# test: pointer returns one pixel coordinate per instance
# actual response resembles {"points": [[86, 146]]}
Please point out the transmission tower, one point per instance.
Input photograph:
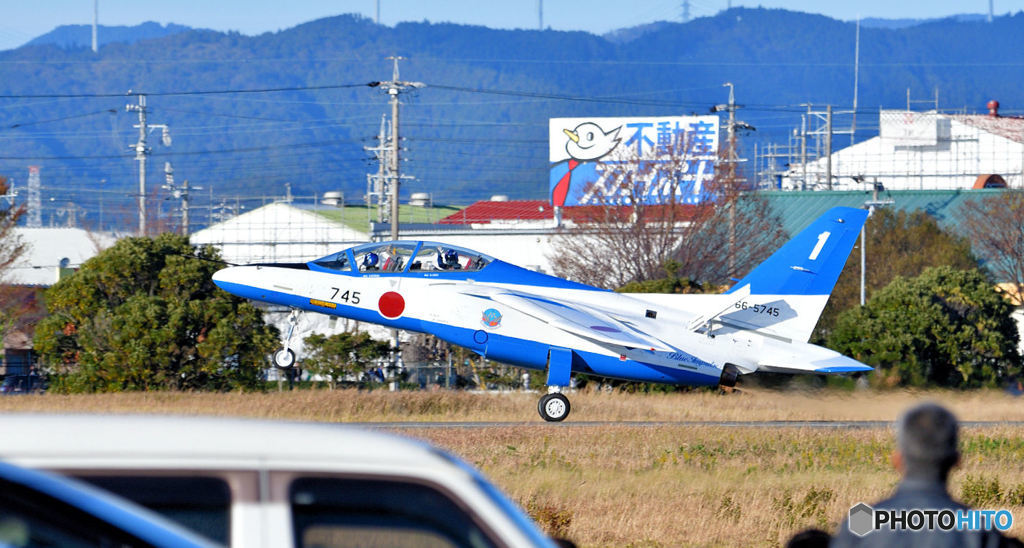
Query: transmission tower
{"points": [[394, 88], [95, 23], [35, 203], [376, 182]]}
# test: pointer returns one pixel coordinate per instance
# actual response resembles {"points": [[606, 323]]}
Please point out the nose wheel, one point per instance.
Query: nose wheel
{"points": [[285, 357], [553, 407]]}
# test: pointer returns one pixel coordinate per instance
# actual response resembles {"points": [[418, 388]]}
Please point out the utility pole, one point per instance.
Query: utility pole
{"points": [[184, 208], [394, 88], [395, 146], [731, 160], [856, 81], [181, 193], [828, 146], [731, 132], [540, 14], [803, 150], [142, 151]]}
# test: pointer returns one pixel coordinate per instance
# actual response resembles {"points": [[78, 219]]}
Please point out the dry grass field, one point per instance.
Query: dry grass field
{"points": [[661, 485]]}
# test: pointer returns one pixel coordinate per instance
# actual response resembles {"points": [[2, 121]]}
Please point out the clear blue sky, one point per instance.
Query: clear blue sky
{"points": [[22, 20]]}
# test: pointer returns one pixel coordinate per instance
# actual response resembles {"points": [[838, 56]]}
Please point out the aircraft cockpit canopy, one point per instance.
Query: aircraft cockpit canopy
{"points": [[397, 257]]}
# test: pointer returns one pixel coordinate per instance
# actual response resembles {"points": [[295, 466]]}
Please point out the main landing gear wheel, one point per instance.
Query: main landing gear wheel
{"points": [[284, 358], [553, 407]]}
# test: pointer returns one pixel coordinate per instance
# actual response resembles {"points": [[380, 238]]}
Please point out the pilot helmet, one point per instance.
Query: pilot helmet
{"points": [[370, 259], [451, 257]]}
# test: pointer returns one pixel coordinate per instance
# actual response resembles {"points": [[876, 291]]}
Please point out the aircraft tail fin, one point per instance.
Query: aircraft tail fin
{"points": [[788, 291], [811, 262]]}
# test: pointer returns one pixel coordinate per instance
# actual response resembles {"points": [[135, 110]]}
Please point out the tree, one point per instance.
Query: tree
{"points": [[627, 237], [898, 244], [11, 249], [946, 327], [995, 227], [145, 315], [343, 356], [671, 283]]}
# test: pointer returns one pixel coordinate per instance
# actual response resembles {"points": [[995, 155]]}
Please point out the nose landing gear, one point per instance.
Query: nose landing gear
{"points": [[285, 357]]}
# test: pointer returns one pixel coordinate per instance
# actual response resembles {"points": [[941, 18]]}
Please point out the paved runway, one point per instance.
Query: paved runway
{"points": [[837, 425]]}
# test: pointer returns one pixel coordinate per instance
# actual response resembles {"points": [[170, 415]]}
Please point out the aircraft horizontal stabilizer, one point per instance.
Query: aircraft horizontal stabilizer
{"points": [[835, 363], [579, 320]]}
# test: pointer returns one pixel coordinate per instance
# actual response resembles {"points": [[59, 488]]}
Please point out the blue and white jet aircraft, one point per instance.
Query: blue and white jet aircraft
{"points": [[525, 318]]}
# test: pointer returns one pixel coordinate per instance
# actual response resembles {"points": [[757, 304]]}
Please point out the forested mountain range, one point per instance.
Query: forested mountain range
{"points": [[300, 110], [80, 36]]}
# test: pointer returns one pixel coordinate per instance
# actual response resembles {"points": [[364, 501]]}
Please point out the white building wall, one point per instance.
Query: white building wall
{"points": [[950, 154], [46, 247], [278, 232], [525, 248]]}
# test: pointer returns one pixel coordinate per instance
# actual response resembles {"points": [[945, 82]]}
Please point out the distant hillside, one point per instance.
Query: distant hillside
{"points": [[621, 36], [69, 36], [479, 127], [875, 22]]}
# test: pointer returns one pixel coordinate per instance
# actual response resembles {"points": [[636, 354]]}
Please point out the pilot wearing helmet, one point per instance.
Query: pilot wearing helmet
{"points": [[448, 259], [370, 262]]}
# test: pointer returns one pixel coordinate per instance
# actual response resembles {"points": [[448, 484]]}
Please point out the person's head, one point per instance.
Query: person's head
{"points": [[926, 442], [809, 538], [370, 259]]}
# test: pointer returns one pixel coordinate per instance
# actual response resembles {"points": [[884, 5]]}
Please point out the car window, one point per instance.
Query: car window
{"points": [[350, 512], [202, 504], [29, 519]]}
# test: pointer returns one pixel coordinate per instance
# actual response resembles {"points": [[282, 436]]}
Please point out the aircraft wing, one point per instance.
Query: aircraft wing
{"points": [[579, 320]]}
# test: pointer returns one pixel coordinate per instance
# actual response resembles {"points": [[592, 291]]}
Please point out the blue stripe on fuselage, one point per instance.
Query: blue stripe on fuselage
{"points": [[511, 350]]}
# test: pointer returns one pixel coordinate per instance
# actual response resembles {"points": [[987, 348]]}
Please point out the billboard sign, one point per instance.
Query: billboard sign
{"points": [[654, 160]]}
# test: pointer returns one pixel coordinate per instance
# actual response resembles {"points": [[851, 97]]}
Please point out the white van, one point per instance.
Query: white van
{"points": [[254, 483]]}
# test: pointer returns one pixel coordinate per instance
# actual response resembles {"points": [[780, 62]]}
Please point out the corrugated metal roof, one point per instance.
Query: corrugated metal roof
{"points": [[513, 210], [798, 209], [1011, 128]]}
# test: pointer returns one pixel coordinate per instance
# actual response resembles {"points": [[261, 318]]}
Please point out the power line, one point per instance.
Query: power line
{"points": [[23, 124], [178, 93]]}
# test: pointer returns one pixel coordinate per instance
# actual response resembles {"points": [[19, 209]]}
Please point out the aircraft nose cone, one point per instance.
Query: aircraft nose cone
{"points": [[225, 276]]}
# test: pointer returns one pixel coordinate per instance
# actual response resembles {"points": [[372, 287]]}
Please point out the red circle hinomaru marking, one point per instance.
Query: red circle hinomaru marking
{"points": [[391, 305]]}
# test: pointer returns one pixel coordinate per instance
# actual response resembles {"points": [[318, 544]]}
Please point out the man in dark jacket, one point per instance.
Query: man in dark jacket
{"points": [[926, 439]]}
